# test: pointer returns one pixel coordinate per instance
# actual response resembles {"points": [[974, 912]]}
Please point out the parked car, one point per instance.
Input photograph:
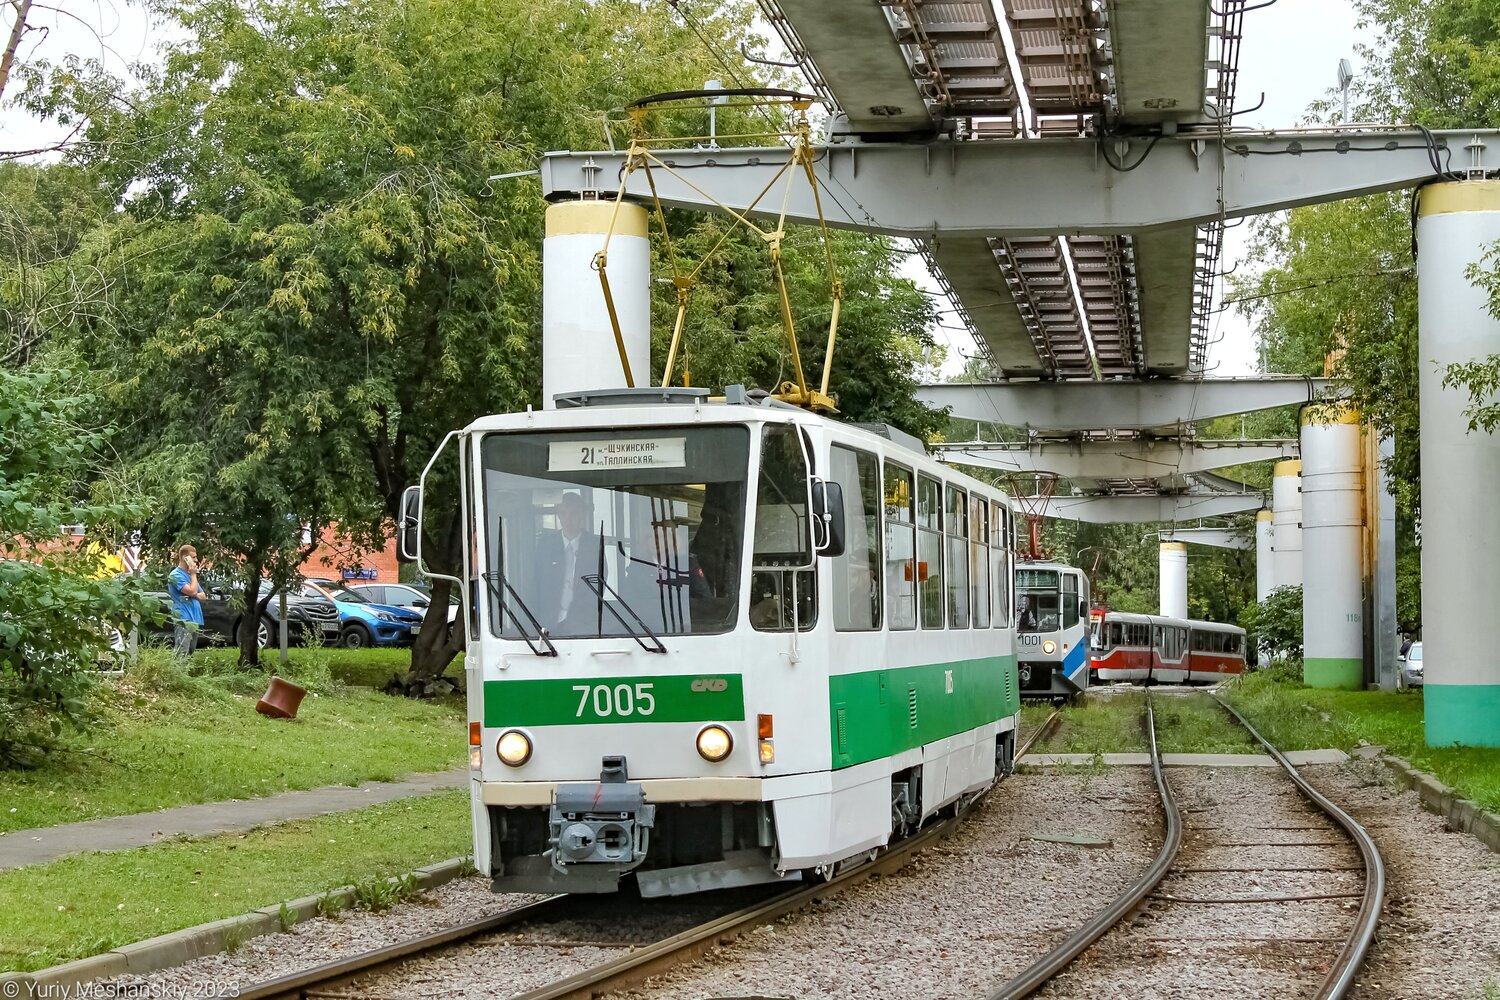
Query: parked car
{"points": [[1411, 666], [403, 595], [362, 622], [225, 607]]}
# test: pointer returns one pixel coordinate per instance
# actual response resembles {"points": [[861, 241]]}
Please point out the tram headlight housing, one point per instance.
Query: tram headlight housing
{"points": [[1049, 647], [714, 743], [514, 747]]}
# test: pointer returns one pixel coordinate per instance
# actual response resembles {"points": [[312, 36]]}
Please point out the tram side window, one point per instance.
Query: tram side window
{"points": [[1069, 600], [930, 551], [781, 537], [1115, 634], [1000, 563], [956, 523], [901, 565], [857, 573], [979, 560]]}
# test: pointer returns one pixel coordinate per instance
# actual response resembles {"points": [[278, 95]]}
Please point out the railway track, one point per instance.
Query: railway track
{"points": [[350, 978], [1340, 971]]}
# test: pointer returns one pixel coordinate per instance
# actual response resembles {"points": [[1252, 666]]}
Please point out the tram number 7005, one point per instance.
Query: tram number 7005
{"points": [[617, 700]]}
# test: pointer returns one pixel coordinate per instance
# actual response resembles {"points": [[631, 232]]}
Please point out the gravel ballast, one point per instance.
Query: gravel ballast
{"points": [[973, 910], [964, 915]]}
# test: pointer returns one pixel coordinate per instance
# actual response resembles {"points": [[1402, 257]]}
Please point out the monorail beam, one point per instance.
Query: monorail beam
{"points": [[1147, 508], [1123, 459], [1042, 187], [1219, 538], [1071, 407]]}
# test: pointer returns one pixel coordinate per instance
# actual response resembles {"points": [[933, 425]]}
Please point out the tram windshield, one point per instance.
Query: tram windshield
{"points": [[600, 532], [1038, 606]]}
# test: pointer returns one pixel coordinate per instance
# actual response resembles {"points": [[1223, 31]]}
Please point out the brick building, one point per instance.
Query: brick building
{"points": [[336, 558]]}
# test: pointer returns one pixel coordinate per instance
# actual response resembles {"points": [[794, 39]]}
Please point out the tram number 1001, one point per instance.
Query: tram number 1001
{"points": [[614, 701]]}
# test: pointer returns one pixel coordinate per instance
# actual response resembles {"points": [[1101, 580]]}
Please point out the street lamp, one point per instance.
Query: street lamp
{"points": [[1346, 77]]}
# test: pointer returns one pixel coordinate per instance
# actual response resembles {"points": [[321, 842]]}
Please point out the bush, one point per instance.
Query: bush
{"points": [[1276, 623], [57, 603]]}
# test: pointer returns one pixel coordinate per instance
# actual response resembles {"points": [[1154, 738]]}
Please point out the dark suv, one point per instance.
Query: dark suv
{"points": [[226, 606]]}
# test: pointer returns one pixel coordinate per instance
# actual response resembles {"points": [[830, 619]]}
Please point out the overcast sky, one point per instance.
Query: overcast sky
{"points": [[1290, 52]]}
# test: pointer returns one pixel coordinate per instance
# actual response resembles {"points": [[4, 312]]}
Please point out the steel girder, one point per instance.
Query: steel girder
{"points": [[1134, 458], [1041, 187], [1073, 407], [1219, 538], [1148, 508]]}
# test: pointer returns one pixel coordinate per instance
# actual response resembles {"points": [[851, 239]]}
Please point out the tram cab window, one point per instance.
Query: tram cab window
{"points": [[1000, 563], [979, 560], [602, 531], [857, 572], [782, 537], [930, 552], [1069, 600], [900, 550], [1037, 600], [956, 528]]}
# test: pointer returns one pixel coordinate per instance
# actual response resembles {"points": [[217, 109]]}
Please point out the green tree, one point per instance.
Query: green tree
{"points": [[56, 606]]}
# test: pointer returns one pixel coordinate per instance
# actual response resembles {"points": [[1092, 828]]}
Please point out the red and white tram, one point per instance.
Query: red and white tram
{"points": [[1154, 649]]}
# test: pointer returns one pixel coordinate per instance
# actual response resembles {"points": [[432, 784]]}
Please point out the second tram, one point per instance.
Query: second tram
{"points": [[1156, 649], [1052, 625]]}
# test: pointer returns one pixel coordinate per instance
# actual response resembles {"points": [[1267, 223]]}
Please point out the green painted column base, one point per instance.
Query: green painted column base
{"points": [[1463, 714], [1334, 672]]}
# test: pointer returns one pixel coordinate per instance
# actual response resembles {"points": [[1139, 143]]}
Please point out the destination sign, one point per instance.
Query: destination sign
{"points": [[619, 453]]}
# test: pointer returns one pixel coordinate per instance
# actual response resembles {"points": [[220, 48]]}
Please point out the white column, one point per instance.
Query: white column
{"points": [[1457, 223], [1333, 507], [1174, 581], [578, 341], [1286, 524], [1264, 570]]}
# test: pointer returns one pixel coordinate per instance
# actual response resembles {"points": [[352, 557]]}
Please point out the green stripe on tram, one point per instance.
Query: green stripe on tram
{"points": [[575, 701], [878, 713]]}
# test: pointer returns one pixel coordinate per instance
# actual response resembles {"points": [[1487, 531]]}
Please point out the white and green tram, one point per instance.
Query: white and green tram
{"points": [[720, 642]]}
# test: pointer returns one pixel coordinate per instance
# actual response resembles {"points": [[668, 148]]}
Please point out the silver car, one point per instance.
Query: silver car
{"points": [[1411, 666]]}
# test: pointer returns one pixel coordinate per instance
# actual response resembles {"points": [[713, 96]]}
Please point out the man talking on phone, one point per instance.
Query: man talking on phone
{"points": [[187, 601]]}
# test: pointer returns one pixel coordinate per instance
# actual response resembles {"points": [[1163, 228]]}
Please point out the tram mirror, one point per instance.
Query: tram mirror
{"points": [[828, 518], [411, 524]]}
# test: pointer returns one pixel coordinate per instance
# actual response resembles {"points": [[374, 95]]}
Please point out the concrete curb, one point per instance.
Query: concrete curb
{"points": [[1462, 814], [185, 945]]}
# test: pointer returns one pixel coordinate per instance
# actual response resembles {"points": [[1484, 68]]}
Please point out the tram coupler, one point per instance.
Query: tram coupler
{"points": [[608, 823]]}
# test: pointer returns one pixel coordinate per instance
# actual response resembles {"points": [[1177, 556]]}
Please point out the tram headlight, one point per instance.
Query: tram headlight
{"points": [[1049, 647], [514, 747], [714, 743]]}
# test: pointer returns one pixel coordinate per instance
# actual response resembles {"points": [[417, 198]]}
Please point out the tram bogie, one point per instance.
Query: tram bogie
{"points": [[715, 644], [1154, 649]]}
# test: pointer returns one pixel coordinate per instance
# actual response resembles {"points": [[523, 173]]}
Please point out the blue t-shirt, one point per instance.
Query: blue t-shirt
{"points": [[184, 608]]}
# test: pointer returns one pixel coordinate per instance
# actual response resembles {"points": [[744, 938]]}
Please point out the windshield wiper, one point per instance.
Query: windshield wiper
{"points": [[494, 576], [598, 586]]}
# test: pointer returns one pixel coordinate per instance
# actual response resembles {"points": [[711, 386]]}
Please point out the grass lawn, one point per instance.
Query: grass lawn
{"points": [[165, 737], [364, 667], [89, 903], [1301, 718], [1185, 723], [1099, 725]]}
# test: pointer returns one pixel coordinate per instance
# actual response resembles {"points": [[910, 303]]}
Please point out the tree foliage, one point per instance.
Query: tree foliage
{"points": [[1276, 623], [55, 605], [320, 280]]}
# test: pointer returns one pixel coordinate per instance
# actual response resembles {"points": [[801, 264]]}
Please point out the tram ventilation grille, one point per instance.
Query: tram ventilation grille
{"points": [[843, 730], [911, 707]]}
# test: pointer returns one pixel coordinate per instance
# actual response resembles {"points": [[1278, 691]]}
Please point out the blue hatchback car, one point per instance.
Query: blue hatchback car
{"points": [[363, 623]]}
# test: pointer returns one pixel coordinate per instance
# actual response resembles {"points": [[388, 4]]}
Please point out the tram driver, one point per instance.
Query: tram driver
{"points": [[564, 557]]}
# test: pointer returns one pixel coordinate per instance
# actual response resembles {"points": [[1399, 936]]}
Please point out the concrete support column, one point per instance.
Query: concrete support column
{"points": [[1333, 633], [1265, 575], [1286, 524], [1456, 224], [1173, 579], [578, 342]]}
